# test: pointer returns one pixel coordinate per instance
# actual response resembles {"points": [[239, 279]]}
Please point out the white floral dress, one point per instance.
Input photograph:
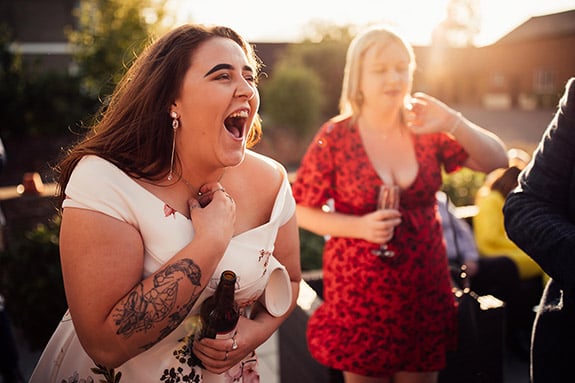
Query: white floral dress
{"points": [[97, 184]]}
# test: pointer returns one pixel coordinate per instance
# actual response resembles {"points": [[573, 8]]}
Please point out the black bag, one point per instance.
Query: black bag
{"points": [[479, 354]]}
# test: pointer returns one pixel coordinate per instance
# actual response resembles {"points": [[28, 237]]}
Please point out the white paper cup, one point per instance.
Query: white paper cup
{"points": [[277, 296]]}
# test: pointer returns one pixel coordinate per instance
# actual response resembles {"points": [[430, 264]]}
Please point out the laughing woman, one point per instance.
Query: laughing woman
{"points": [[159, 199]]}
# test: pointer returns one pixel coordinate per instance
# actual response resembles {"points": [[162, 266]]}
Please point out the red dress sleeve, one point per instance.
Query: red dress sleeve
{"points": [[453, 156], [315, 177]]}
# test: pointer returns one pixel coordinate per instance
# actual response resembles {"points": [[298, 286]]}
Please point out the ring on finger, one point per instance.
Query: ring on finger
{"points": [[234, 344], [226, 357], [211, 191]]}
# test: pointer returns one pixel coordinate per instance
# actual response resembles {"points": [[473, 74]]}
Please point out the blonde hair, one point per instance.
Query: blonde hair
{"points": [[351, 99]]}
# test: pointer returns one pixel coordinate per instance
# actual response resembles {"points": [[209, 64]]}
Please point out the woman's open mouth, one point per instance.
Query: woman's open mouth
{"points": [[236, 123]]}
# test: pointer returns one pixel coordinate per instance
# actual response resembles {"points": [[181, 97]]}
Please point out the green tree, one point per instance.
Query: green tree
{"points": [[326, 60], [12, 83], [462, 186], [325, 32], [108, 36], [31, 280], [324, 53], [292, 99], [303, 91], [305, 85], [35, 102]]}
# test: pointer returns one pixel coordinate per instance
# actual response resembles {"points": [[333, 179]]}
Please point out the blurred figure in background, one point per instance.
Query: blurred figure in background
{"points": [[2, 156], [497, 276], [9, 356], [492, 241], [518, 157], [488, 226], [386, 317]]}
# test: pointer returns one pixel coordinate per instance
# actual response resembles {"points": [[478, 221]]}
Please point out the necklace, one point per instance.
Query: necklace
{"points": [[198, 193]]}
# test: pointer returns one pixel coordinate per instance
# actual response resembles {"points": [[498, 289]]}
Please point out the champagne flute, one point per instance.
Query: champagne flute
{"points": [[388, 198]]}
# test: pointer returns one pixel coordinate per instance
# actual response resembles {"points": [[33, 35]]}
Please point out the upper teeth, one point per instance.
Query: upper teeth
{"points": [[241, 113]]}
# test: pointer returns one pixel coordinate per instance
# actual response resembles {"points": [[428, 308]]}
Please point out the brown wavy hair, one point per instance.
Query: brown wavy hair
{"points": [[505, 182], [134, 129]]}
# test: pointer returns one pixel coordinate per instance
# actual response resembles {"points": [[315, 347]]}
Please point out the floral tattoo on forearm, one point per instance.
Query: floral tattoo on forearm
{"points": [[142, 310]]}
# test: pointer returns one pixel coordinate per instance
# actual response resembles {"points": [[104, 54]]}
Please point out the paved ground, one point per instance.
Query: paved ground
{"points": [[517, 128]]}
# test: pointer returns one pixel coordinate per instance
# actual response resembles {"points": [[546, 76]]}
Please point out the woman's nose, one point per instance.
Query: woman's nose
{"points": [[245, 89]]}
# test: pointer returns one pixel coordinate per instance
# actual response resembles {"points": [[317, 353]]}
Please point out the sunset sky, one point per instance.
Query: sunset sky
{"points": [[271, 21]]}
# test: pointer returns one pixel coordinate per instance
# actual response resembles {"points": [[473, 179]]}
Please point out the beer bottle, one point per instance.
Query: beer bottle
{"points": [[219, 313]]}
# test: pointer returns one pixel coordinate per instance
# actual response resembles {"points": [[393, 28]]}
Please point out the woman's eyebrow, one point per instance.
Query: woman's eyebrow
{"points": [[226, 66]]}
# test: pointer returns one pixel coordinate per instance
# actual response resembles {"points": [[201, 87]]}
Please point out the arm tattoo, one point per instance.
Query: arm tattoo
{"points": [[141, 310]]}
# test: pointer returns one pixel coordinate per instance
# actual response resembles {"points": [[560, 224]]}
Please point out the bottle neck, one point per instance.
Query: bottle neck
{"points": [[225, 292], [224, 295]]}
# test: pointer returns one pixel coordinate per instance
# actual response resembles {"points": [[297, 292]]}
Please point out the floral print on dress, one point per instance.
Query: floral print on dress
{"points": [[245, 372], [76, 379], [380, 316], [168, 210], [265, 256], [163, 234], [109, 375], [186, 359]]}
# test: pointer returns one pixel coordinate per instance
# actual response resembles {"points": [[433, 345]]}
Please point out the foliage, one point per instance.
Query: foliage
{"points": [[327, 61], [292, 99], [53, 105], [34, 103], [327, 32], [462, 186], [31, 281], [311, 249], [11, 77], [109, 35], [305, 86], [109, 374]]}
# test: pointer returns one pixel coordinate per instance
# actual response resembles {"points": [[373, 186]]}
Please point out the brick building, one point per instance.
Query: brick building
{"points": [[37, 28], [527, 68]]}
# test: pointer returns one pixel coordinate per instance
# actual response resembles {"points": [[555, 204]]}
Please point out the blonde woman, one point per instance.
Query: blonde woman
{"points": [[385, 318]]}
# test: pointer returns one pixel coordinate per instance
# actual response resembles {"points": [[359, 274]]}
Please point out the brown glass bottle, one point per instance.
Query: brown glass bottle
{"points": [[219, 313]]}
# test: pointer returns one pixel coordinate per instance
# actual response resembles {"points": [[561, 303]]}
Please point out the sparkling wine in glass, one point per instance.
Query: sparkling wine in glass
{"points": [[388, 198]]}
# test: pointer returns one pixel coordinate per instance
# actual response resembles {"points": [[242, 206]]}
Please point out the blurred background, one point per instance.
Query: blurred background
{"points": [[503, 64]]}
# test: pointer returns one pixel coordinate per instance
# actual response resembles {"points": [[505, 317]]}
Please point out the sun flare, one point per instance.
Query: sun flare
{"points": [[415, 19]]}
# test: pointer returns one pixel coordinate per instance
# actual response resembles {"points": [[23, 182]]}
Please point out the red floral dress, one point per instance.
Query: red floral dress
{"points": [[380, 315]]}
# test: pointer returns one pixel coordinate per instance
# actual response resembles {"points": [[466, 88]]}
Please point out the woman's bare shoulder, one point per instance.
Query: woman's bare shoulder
{"points": [[264, 167]]}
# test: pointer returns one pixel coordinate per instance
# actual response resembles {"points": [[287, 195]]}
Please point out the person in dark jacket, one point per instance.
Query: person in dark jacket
{"points": [[2, 156], [540, 218]]}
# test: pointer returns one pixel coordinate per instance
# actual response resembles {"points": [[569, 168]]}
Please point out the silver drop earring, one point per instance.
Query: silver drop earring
{"points": [[175, 125]]}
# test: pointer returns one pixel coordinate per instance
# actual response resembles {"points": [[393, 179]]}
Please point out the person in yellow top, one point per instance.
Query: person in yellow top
{"points": [[492, 241], [490, 235]]}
